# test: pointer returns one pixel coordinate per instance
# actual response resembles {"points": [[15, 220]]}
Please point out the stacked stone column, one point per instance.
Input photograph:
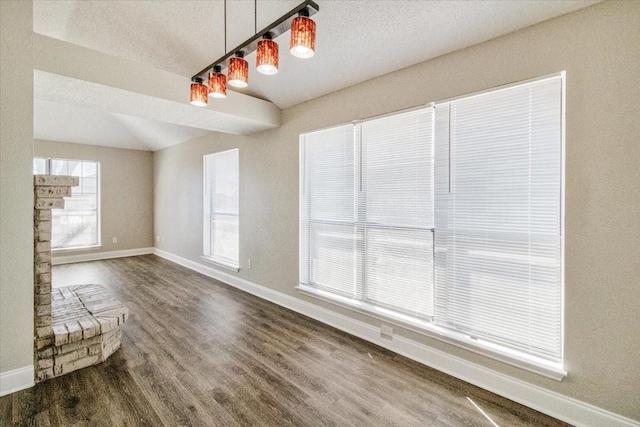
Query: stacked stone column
{"points": [[50, 192]]}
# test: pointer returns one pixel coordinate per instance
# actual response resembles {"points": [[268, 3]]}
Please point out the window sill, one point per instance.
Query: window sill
{"points": [[76, 249], [221, 264], [532, 364]]}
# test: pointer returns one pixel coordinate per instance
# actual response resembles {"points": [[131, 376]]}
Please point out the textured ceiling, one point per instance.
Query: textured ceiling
{"points": [[357, 40], [68, 75], [82, 93], [63, 122]]}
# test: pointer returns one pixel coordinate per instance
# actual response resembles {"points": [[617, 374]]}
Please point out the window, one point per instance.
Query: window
{"points": [[221, 213], [499, 231], [367, 214], [397, 211], [447, 219], [77, 226]]}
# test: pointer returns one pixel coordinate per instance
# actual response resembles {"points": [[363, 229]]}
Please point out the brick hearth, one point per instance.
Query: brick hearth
{"points": [[75, 326]]}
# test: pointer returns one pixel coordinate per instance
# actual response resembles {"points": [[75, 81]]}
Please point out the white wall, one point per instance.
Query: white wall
{"points": [[16, 187], [598, 47], [126, 193]]}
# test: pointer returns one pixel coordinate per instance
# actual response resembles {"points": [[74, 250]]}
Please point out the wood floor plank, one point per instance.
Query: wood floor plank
{"points": [[196, 352], [82, 399], [27, 403], [169, 402], [6, 409], [125, 397], [40, 419]]}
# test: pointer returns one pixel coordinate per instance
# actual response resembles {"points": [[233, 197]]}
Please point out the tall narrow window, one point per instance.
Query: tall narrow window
{"points": [[367, 213], [328, 211], [397, 206], [77, 226], [221, 208], [499, 232]]}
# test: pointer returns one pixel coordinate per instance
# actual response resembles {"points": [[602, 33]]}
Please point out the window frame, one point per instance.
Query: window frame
{"points": [[98, 245], [429, 328], [206, 214]]}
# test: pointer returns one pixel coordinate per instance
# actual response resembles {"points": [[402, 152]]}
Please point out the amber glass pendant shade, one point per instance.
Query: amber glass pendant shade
{"points": [[267, 57], [302, 44], [217, 83], [199, 93], [303, 37], [238, 72]]}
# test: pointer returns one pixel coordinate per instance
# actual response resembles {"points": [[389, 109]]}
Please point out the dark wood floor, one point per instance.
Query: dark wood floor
{"points": [[198, 352]]}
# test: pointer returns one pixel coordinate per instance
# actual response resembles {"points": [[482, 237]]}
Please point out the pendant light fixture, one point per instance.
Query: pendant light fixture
{"points": [[238, 71], [302, 45], [303, 36], [217, 83], [198, 92], [267, 56]]}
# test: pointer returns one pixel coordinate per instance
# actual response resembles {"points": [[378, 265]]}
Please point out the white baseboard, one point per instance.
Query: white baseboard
{"points": [[16, 380], [548, 402], [96, 256]]}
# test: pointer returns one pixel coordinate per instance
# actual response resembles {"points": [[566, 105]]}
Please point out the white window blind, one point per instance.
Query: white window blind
{"points": [[78, 224], [447, 218], [367, 213], [498, 222], [221, 208], [397, 210], [328, 210]]}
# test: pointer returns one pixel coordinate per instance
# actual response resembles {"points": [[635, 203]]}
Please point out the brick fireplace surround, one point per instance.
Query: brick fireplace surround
{"points": [[75, 326]]}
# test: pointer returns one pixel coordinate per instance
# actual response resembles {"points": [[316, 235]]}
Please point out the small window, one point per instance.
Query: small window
{"points": [[221, 208], [77, 226]]}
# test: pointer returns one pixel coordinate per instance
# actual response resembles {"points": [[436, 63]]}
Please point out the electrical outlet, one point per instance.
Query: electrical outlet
{"points": [[386, 330], [157, 238], [249, 264], [115, 240]]}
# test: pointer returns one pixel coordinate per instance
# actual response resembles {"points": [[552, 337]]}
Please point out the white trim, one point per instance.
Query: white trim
{"points": [[214, 262], [75, 249], [546, 401], [96, 256], [16, 380], [501, 87], [433, 104], [424, 327]]}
